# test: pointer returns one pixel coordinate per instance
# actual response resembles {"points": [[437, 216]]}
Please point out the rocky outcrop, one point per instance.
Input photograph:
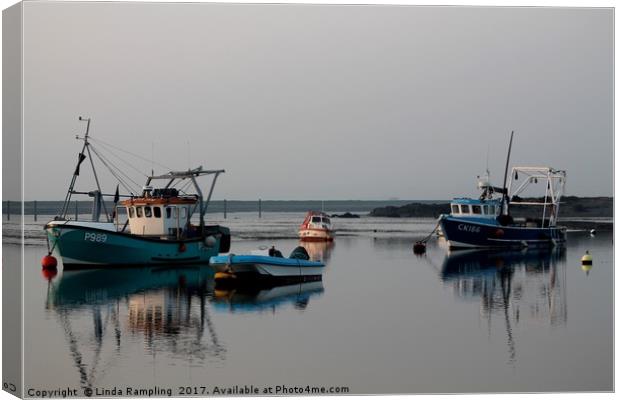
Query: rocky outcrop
{"points": [[345, 215], [420, 210], [570, 207]]}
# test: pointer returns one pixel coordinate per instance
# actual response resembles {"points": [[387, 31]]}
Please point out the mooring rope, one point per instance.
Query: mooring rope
{"points": [[47, 240], [427, 238]]}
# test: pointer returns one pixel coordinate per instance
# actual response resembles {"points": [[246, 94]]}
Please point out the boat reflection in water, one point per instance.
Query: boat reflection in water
{"points": [[318, 251], [515, 286], [166, 310], [252, 299]]}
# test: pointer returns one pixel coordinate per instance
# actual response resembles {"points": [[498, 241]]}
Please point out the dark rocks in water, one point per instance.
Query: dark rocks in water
{"points": [[345, 215], [571, 207], [582, 207], [422, 210]]}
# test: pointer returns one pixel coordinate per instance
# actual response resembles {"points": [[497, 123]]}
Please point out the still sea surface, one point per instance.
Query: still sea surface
{"points": [[383, 320]]}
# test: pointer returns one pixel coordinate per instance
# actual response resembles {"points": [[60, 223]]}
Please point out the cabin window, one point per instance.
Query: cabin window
{"points": [[184, 214], [465, 209], [316, 219], [492, 210], [326, 220], [147, 212], [485, 209], [139, 212], [130, 212], [455, 209], [168, 212], [476, 209], [157, 212]]}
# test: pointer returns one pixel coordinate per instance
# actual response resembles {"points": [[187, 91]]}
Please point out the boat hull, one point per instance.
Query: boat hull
{"points": [[87, 247], [315, 235], [461, 233], [268, 267]]}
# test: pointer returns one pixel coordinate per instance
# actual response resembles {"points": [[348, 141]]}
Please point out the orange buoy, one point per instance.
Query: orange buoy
{"points": [[224, 275], [49, 262]]}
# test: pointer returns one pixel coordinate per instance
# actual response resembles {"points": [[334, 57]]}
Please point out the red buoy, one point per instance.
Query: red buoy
{"points": [[49, 262], [49, 274]]}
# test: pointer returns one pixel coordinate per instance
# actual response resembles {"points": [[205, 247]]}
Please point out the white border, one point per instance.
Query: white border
{"points": [[509, 3]]}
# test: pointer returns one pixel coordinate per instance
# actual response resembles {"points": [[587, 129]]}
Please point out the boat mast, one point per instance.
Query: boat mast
{"points": [[81, 158], [99, 193], [504, 202]]}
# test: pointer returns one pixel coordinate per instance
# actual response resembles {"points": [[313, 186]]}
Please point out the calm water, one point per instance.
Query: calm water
{"points": [[383, 320]]}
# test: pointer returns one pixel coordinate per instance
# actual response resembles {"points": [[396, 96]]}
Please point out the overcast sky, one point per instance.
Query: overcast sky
{"points": [[320, 102]]}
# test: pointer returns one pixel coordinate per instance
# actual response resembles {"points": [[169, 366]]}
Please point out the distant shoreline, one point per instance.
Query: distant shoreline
{"points": [[571, 207], [52, 207]]}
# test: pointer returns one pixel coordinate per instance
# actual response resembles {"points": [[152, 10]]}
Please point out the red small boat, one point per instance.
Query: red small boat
{"points": [[317, 227]]}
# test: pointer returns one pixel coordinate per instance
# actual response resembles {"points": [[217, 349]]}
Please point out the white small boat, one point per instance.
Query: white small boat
{"points": [[317, 227], [268, 264]]}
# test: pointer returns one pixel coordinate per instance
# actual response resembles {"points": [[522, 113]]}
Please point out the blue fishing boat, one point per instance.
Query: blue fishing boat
{"points": [[297, 266], [157, 229], [487, 220]]}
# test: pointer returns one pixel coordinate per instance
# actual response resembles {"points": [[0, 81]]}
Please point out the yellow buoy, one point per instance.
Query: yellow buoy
{"points": [[586, 268], [224, 275], [586, 259], [222, 294]]}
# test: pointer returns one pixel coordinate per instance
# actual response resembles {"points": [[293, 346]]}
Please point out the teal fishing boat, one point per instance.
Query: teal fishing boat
{"points": [[156, 227]]}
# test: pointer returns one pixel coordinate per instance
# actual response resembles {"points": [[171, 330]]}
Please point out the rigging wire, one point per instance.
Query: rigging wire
{"points": [[110, 152], [118, 174], [185, 186], [130, 153], [110, 168], [119, 170], [122, 182]]}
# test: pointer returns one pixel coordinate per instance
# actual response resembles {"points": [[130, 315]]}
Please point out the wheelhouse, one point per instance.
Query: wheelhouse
{"points": [[158, 215], [464, 207], [317, 220], [167, 212]]}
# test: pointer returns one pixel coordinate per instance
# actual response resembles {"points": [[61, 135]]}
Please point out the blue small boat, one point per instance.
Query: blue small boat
{"points": [[296, 267], [487, 221]]}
